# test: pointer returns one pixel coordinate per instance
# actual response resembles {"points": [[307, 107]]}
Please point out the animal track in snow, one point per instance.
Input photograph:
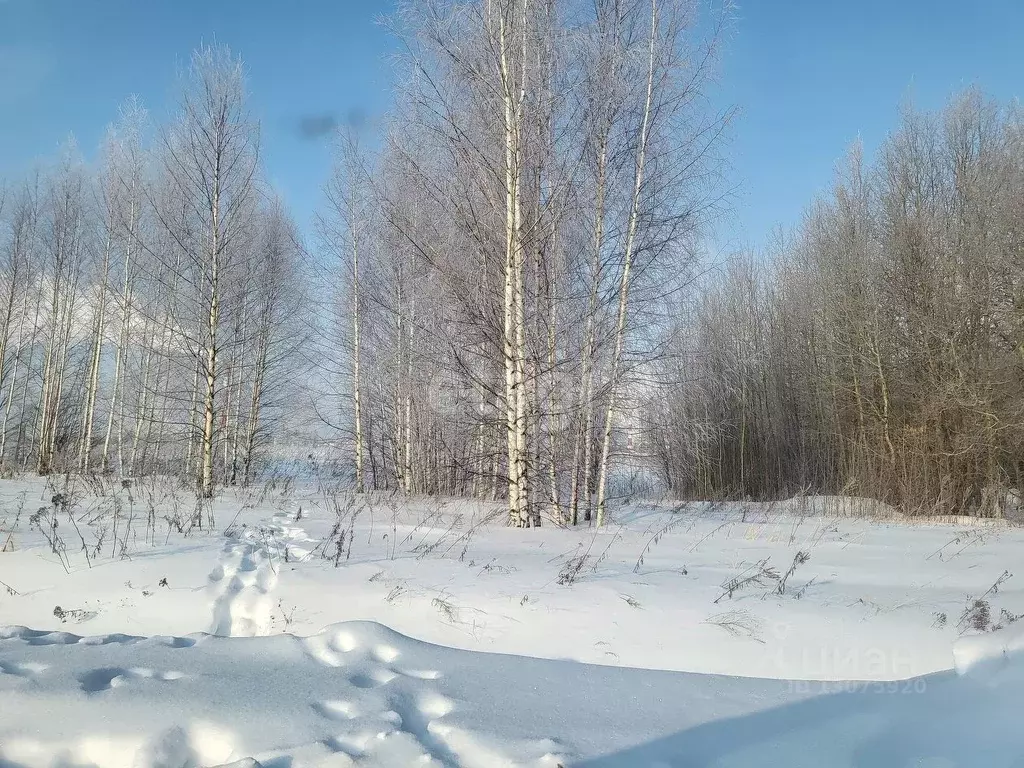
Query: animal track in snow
{"points": [[105, 678], [344, 642], [28, 669], [354, 746], [35, 637], [385, 653], [418, 715], [337, 710], [434, 705], [117, 637], [176, 642], [332, 650], [373, 678], [368, 709], [419, 674], [319, 649], [44, 637]]}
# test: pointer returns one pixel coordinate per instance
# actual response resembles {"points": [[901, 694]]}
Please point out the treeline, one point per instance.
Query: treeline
{"points": [[510, 301], [506, 254], [879, 352], [148, 300]]}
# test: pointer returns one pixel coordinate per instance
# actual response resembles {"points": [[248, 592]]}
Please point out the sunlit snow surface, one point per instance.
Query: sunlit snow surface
{"points": [[257, 641]]}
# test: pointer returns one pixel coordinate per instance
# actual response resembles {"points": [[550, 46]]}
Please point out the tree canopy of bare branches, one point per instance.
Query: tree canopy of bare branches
{"points": [[544, 177], [149, 300], [879, 352]]}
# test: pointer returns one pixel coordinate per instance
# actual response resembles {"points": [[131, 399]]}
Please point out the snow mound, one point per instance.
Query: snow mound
{"points": [[361, 694], [990, 656]]}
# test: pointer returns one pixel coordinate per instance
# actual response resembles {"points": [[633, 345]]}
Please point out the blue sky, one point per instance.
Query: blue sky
{"points": [[809, 76], [67, 65]]}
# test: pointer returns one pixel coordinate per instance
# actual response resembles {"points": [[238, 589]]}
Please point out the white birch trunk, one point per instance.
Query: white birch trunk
{"points": [[620, 324]]}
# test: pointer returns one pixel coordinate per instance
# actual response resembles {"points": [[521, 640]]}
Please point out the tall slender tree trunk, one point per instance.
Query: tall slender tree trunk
{"points": [[9, 401], [193, 418], [119, 362], [206, 476], [584, 438], [514, 341], [252, 428], [356, 385], [8, 318], [407, 419], [143, 401], [627, 263], [85, 451], [209, 404], [46, 389], [23, 421]]}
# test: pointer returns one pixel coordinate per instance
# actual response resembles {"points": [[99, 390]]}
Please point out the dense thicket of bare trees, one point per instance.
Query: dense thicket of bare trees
{"points": [[149, 300], [537, 193], [880, 351]]}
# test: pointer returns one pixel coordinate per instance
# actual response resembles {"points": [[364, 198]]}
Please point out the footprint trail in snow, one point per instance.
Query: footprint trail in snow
{"points": [[356, 694], [243, 581], [395, 718]]}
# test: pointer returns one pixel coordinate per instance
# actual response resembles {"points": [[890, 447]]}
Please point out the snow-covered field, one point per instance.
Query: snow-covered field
{"points": [[302, 627]]}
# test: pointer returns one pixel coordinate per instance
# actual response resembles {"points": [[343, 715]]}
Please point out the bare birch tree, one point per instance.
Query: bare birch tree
{"points": [[211, 156]]}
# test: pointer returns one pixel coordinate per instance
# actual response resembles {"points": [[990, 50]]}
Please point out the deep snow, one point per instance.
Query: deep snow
{"points": [[262, 639]]}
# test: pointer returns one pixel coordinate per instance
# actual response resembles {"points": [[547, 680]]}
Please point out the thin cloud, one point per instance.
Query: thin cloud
{"points": [[317, 126]]}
